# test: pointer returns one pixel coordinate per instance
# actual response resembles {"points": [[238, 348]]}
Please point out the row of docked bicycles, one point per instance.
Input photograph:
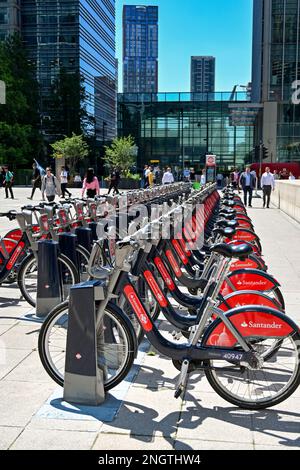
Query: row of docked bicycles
{"points": [[194, 258]]}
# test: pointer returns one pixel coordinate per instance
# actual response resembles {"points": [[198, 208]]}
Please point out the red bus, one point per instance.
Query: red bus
{"points": [[290, 167]]}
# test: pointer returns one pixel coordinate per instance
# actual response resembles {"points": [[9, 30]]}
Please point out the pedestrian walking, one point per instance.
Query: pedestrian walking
{"points": [[276, 175], [77, 181], [203, 178], [267, 185], [91, 184], [186, 174], [235, 178], [157, 175], [192, 175], [247, 182], [151, 178], [168, 177], [64, 182], [2, 177], [284, 174], [114, 181], [292, 177], [50, 186], [220, 179], [146, 174], [8, 182], [36, 180]]}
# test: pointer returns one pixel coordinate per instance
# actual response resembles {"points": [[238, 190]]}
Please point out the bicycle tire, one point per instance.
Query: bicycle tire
{"points": [[30, 259], [256, 405], [118, 317]]}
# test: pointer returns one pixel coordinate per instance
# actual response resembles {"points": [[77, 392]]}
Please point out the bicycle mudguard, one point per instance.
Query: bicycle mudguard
{"points": [[14, 234], [251, 322], [243, 234], [253, 262], [248, 279], [244, 298], [7, 246]]}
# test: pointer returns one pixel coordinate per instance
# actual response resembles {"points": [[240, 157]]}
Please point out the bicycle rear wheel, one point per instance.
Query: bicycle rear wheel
{"points": [[28, 276], [116, 345], [262, 388]]}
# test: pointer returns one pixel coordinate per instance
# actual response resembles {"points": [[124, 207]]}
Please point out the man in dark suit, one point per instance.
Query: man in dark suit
{"points": [[247, 182]]}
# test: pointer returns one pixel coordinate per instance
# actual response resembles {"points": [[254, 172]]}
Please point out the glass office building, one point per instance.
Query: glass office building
{"points": [[140, 49], [77, 36], [275, 66], [179, 129], [203, 70], [10, 21]]}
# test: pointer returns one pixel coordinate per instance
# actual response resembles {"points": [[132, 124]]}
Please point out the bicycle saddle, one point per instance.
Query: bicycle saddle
{"points": [[227, 210], [224, 231], [232, 251], [100, 272], [227, 216], [227, 223]]}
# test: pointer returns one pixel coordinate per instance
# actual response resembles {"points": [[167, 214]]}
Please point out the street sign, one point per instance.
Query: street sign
{"points": [[211, 160]]}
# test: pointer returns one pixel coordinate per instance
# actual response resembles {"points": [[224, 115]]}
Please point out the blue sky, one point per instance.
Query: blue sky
{"points": [[222, 28]]}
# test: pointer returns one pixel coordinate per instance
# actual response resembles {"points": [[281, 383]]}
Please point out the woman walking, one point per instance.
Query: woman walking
{"points": [[91, 184]]}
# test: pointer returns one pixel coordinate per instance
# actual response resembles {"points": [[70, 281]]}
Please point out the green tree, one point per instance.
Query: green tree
{"points": [[121, 154], [72, 149], [20, 140]]}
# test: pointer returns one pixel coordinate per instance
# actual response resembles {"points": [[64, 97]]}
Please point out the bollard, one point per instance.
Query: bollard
{"points": [[49, 288], [84, 237], [83, 378], [67, 245]]}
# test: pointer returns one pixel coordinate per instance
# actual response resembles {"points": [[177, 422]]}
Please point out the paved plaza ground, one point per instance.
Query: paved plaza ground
{"points": [[142, 413]]}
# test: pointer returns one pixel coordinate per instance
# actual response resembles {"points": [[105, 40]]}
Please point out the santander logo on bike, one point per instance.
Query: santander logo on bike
{"points": [[251, 283], [270, 326], [138, 308]]}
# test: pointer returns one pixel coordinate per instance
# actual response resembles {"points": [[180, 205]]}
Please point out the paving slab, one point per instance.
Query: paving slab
{"points": [[196, 444], [147, 412], [10, 359], [207, 416], [19, 401], [8, 434], [22, 336], [132, 442], [39, 439], [29, 370]]}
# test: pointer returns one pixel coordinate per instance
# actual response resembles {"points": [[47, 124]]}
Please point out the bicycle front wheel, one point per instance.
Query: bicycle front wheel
{"points": [[28, 277], [116, 345]]}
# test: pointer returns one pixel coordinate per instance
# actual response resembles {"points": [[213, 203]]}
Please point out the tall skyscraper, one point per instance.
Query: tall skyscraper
{"points": [[275, 66], [276, 54], [10, 21], [203, 74], [140, 49], [73, 37]]}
